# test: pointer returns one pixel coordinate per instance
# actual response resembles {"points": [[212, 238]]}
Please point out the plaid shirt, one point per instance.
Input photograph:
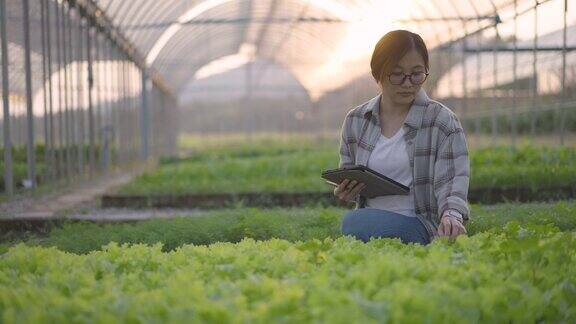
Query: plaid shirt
{"points": [[436, 147]]}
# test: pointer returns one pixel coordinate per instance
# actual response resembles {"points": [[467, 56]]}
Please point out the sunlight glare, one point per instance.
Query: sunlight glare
{"points": [[227, 63], [352, 54]]}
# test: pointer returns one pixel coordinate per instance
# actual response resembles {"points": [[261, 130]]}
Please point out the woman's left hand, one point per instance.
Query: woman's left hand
{"points": [[450, 226]]}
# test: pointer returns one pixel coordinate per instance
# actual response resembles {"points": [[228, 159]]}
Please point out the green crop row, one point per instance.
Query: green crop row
{"points": [[278, 169], [292, 224], [521, 274], [20, 153], [545, 122]]}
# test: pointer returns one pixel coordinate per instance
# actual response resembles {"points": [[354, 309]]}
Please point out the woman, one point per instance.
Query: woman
{"points": [[412, 139]]}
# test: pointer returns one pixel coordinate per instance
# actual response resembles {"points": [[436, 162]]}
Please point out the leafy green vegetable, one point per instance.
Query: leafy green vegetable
{"points": [[523, 274], [291, 224], [285, 168]]}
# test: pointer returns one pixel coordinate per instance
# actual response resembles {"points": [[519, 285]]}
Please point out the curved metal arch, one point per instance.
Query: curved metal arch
{"points": [[299, 30], [495, 10], [286, 36], [441, 13], [148, 38], [476, 11], [193, 42], [418, 24], [434, 25], [198, 29], [285, 32], [304, 34], [220, 36], [308, 27], [449, 27], [195, 11], [463, 22], [436, 32], [184, 77], [297, 35], [225, 11], [191, 14], [288, 63], [153, 14], [494, 7], [147, 8], [185, 41], [119, 10], [290, 70], [140, 13], [458, 13], [144, 36], [123, 15], [281, 63], [107, 7], [127, 16], [310, 32]]}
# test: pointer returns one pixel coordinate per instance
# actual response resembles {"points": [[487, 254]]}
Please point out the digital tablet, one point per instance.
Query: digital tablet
{"points": [[376, 184]]}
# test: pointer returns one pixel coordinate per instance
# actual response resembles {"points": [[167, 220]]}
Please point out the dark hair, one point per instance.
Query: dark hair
{"points": [[392, 47]]}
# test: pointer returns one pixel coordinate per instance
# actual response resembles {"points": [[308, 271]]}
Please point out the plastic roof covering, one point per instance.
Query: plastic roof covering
{"points": [[305, 48], [311, 51]]}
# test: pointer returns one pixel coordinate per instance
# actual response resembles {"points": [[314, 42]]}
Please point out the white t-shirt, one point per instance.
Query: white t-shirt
{"points": [[390, 158]]}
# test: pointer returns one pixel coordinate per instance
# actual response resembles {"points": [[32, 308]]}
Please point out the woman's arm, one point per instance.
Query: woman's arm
{"points": [[452, 174], [346, 157]]}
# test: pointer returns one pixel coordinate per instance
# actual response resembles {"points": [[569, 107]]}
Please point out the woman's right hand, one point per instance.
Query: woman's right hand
{"points": [[348, 190]]}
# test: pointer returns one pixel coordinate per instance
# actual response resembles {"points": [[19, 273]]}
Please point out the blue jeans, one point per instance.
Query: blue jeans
{"points": [[364, 223]]}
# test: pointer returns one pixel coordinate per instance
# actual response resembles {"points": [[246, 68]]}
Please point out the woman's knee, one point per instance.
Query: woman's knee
{"points": [[359, 222], [363, 223], [352, 219], [348, 222], [412, 237]]}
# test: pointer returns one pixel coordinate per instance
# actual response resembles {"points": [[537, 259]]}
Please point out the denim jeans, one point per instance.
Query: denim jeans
{"points": [[364, 223]]}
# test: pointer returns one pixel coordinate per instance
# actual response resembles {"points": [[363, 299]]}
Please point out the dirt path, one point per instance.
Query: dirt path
{"points": [[54, 204]]}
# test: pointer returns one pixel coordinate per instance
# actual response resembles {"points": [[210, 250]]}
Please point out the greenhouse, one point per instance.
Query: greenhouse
{"points": [[273, 161]]}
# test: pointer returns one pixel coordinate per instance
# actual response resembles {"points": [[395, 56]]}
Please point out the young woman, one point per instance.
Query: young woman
{"points": [[412, 139]]}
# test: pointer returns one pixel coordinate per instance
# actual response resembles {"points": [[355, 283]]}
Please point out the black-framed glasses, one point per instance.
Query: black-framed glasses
{"points": [[417, 78]]}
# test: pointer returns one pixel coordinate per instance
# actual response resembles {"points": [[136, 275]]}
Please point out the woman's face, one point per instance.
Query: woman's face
{"points": [[403, 94]]}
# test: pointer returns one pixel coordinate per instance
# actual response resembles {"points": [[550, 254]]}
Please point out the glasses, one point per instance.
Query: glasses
{"points": [[416, 78]]}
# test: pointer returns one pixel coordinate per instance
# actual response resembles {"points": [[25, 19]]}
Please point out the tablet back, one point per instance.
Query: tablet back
{"points": [[376, 185]]}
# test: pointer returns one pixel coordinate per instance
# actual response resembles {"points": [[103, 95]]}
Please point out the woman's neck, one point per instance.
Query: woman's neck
{"points": [[391, 109]]}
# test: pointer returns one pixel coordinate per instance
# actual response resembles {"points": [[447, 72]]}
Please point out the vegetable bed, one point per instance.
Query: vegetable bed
{"points": [[288, 169], [292, 224], [523, 274]]}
